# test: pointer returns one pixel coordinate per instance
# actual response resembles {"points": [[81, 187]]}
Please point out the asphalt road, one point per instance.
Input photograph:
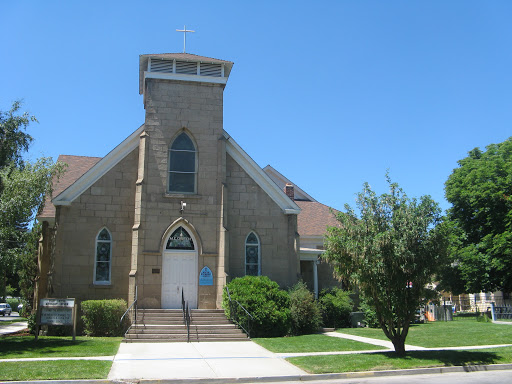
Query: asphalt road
{"points": [[14, 315]]}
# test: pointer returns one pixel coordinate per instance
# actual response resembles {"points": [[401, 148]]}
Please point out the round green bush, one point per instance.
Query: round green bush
{"points": [[336, 306], [262, 298], [305, 312], [102, 317]]}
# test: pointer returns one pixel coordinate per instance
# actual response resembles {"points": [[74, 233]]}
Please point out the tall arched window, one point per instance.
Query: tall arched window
{"points": [[103, 258], [182, 165], [252, 255]]}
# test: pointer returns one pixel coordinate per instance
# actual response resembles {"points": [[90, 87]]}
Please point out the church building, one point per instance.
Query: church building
{"points": [[177, 206]]}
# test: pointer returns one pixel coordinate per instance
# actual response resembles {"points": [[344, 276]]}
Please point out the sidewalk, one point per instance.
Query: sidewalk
{"points": [[208, 360], [13, 328]]}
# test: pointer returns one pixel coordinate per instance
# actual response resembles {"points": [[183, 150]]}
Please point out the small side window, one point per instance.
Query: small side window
{"points": [[103, 258], [252, 255]]}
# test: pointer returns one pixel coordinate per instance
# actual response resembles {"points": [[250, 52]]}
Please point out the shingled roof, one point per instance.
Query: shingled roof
{"points": [[314, 218], [76, 167]]}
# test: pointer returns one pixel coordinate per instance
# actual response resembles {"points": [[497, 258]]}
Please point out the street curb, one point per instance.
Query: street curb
{"points": [[277, 379]]}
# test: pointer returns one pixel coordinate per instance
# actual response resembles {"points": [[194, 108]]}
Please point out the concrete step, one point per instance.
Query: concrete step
{"points": [[166, 325]]}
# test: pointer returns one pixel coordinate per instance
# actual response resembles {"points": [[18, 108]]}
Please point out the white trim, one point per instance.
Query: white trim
{"points": [[182, 77], [67, 196], [261, 178], [310, 254]]}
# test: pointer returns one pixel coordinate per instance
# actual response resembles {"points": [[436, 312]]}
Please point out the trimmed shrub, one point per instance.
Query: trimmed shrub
{"points": [[102, 317], [13, 302], [263, 299], [336, 306], [305, 312], [370, 317]]}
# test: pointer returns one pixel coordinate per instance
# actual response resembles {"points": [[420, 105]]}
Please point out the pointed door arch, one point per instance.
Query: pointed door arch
{"points": [[179, 268]]}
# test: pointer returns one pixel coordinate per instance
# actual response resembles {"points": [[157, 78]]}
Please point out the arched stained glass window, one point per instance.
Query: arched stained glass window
{"points": [[252, 255], [180, 239], [182, 165], [103, 258]]}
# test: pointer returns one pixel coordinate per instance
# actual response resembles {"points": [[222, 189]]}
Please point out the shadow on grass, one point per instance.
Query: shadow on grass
{"points": [[449, 358], [45, 345]]}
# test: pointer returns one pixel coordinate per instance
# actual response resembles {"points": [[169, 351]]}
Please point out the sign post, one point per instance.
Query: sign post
{"points": [[56, 312]]}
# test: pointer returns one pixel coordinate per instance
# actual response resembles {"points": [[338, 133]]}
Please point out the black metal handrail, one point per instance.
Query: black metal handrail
{"points": [[132, 310], [186, 314], [234, 308]]}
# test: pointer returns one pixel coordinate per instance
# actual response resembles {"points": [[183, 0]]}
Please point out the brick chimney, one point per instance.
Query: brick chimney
{"points": [[289, 190]]}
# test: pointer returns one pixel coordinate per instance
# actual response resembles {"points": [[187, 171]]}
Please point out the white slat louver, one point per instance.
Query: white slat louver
{"points": [[161, 66], [186, 67], [214, 70]]}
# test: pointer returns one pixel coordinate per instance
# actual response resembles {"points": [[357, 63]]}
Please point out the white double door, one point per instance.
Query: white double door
{"points": [[179, 271]]}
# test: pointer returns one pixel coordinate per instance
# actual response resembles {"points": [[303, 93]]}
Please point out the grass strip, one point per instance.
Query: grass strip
{"points": [[437, 334], [12, 321], [54, 370], [389, 361], [18, 347], [312, 343]]}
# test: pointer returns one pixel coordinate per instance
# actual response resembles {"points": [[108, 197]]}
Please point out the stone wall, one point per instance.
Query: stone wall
{"points": [[251, 209], [171, 108], [108, 203]]}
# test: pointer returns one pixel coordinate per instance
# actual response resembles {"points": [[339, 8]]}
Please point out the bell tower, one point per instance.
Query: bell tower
{"points": [[181, 174]]}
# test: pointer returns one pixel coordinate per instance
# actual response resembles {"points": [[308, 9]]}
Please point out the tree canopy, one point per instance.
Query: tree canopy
{"points": [[480, 191], [391, 251], [23, 187]]}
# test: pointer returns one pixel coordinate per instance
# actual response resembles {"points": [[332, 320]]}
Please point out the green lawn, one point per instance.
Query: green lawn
{"points": [[458, 333], [48, 370], [389, 361], [312, 343], [15, 347]]}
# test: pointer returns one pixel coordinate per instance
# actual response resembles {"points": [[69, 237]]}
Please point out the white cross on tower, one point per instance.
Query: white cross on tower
{"points": [[184, 30]]}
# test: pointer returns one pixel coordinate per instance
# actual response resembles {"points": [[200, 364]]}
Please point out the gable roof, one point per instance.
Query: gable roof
{"points": [[281, 182], [314, 218], [80, 181], [288, 206], [76, 167], [104, 165]]}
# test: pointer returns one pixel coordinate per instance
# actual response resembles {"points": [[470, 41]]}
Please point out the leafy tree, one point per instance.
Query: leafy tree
{"points": [[391, 251], [13, 140], [23, 187], [480, 191]]}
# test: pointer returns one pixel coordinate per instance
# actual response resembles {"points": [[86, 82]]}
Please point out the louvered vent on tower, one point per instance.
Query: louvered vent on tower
{"points": [[161, 66], [211, 70], [186, 68]]}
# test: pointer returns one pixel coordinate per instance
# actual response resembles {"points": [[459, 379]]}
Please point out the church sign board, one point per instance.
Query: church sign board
{"points": [[206, 276], [56, 312]]}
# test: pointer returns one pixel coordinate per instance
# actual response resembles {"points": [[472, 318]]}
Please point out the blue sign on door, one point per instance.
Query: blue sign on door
{"points": [[206, 276]]}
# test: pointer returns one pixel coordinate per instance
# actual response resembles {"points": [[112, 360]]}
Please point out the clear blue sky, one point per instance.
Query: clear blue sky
{"points": [[330, 93]]}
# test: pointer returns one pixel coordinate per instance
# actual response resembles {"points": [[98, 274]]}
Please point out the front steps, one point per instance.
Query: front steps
{"points": [[166, 325]]}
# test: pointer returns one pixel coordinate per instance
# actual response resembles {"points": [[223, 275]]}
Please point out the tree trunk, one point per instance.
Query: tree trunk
{"points": [[399, 344]]}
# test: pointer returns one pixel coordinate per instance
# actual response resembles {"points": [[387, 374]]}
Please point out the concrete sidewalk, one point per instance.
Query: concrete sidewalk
{"points": [[383, 343], [209, 360], [13, 328]]}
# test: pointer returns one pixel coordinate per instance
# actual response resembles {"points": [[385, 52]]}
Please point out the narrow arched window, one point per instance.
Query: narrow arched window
{"points": [[252, 255], [103, 258], [182, 165]]}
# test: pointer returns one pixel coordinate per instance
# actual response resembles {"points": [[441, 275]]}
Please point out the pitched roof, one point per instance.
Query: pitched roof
{"points": [[278, 178], [314, 218], [76, 167]]}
